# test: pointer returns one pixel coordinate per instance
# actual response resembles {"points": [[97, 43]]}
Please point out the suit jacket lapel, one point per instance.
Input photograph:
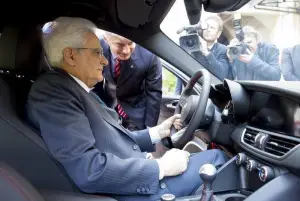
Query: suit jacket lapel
{"points": [[106, 115], [109, 116], [127, 68]]}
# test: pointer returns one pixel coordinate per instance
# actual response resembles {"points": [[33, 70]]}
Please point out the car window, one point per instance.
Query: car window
{"points": [[169, 82], [260, 41]]}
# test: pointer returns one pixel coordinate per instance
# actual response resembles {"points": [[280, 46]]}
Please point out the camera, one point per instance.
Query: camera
{"points": [[240, 47], [190, 42]]}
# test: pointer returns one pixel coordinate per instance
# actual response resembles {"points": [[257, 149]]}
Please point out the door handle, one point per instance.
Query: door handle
{"points": [[172, 104]]}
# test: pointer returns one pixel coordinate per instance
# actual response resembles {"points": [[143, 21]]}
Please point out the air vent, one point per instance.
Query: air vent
{"points": [[279, 146], [249, 136]]}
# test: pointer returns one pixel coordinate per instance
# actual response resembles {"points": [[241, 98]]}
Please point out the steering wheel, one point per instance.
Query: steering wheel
{"points": [[192, 109]]}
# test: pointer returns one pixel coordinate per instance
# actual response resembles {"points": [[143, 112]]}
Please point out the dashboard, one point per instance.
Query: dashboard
{"points": [[265, 117], [274, 113]]}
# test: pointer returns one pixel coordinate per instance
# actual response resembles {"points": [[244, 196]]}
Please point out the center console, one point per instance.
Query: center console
{"points": [[244, 178]]}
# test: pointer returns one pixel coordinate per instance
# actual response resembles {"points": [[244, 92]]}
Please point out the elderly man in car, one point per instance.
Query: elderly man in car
{"points": [[82, 134]]}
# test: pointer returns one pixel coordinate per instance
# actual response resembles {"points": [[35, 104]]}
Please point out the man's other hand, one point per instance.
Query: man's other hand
{"points": [[163, 129], [173, 163]]}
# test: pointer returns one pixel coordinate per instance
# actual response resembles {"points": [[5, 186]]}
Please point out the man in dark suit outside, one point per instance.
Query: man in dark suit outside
{"points": [[133, 82], [290, 63], [84, 136]]}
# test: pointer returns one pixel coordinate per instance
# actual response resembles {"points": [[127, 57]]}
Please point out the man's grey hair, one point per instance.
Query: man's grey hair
{"points": [[65, 32]]}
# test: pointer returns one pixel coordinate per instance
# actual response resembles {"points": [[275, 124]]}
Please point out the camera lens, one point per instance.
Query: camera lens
{"points": [[234, 50], [190, 43]]}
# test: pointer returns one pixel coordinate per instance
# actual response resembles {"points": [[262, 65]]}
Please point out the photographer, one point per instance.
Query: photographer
{"points": [[259, 61], [212, 55]]}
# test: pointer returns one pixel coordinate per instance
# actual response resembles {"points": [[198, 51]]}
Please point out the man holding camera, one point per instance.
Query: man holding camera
{"points": [[257, 61], [212, 55]]}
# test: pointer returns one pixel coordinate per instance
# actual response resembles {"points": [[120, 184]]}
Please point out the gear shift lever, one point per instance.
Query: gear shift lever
{"points": [[208, 173]]}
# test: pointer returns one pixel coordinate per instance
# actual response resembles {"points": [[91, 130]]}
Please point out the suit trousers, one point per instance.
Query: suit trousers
{"points": [[188, 182]]}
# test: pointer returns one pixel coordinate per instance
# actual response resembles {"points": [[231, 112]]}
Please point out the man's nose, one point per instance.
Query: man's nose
{"points": [[126, 49], [103, 61]]}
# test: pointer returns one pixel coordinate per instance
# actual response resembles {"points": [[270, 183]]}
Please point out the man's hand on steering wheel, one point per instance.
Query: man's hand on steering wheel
{"points": [[163, 130]]}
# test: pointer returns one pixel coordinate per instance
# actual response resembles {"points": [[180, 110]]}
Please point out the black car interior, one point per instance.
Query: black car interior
{"points": [[265, 166]]}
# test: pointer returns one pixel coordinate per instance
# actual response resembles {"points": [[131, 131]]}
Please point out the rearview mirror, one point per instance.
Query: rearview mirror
{"points": [[194, 7]]}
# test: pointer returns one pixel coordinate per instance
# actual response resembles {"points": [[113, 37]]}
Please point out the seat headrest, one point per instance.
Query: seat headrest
{"points": [[8, 47], [21, 50]]}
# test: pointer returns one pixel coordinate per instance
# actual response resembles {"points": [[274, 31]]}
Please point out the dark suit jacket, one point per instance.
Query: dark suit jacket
{"points": [[216, 62], [98, 154], [139, 87], [290, 63]]}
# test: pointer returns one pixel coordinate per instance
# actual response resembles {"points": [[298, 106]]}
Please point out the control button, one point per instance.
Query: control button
{"points": [[143, 190], [162, 185], [241, 159], [251, 165], [135, 147], [138, 190], [266, 174]]}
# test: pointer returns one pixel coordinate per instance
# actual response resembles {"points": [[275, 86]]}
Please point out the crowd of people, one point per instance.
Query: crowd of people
{"points": [[260, 60]]}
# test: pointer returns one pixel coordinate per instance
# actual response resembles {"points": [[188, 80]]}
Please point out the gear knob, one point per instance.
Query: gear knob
{"points": [[208, 173]]}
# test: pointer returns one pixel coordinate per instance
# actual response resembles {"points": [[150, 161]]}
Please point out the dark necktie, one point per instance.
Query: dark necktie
{"points": [[119, 108]]}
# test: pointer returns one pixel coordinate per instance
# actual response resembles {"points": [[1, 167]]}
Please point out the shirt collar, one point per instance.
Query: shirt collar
{"points": [[82, 84], [114, 57], [210, 47]]}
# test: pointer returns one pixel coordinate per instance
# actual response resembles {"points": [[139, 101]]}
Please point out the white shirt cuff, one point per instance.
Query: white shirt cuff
{"points": [[153, 132], [161, 172]]}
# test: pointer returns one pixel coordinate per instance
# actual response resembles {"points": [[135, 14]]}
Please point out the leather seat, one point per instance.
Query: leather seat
{"points": [[21, 61], [14, 187]]}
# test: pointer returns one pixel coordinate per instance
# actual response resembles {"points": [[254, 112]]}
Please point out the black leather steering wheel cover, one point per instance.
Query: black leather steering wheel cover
{"points": [[201, 107]]}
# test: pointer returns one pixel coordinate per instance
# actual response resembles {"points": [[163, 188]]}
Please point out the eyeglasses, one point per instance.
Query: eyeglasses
{"points": [[98, 51]]}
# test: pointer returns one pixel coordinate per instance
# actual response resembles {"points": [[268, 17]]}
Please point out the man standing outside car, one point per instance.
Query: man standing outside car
{"points": [[212, 54], [133, 82], [259, 62], [290, 63]]}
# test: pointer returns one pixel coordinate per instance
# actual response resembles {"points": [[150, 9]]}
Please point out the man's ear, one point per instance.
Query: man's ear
{"points": [[69, 55]]}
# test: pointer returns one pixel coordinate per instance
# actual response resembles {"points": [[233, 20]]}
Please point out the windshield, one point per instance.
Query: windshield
{"points": [[257, 42]]}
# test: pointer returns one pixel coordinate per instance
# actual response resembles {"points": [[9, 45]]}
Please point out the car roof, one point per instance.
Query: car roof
{"points": [[112, 15], [118, 16]]}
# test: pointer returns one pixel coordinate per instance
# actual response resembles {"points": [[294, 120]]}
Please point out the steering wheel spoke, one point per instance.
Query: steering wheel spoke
{"points": [[182, 102], [176, 136]]}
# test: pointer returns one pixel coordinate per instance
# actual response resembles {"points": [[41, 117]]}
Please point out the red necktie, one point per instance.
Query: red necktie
{"points": [[119, 108]]}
